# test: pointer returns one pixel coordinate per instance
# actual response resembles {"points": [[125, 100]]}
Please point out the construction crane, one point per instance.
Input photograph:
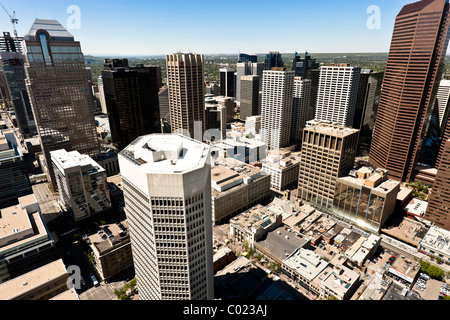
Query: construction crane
{"points": [[13, 19]]}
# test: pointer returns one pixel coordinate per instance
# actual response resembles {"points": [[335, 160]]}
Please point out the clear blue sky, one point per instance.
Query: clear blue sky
{"points": [[147, 27]]}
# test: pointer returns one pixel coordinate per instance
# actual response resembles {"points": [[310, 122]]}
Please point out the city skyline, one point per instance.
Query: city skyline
{"points": [[343, 26]]}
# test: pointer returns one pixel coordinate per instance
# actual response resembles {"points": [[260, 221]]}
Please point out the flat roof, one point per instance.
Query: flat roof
{"points": [[166, 153], [329, 129], [15, 225], [306, 262], [417, 207], [33, 279], [438, 239], [281, 242], [341, 279], [73, 159]]}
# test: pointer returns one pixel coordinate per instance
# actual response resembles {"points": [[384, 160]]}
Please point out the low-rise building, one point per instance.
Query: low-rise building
{"points": [[111, 248], [436, 243], [283, 167], [416, 208], [236, 187], [280, 243], [82, 183], [365, 198], [340, 282], [243, 149], [253, 224], [42, 283], [405, 269], [304, 266], [24, 239], [366, 250]]}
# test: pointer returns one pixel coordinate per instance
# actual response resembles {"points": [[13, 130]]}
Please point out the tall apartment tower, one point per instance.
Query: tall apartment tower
{"points": [[250, 102], [226, 77], [413, 71], [300, 106], [132, 103], [276, 107], [337, 95], [438, 210], [328, 152], [12, 84], [167, 190], [61, 98], [247, 68], [186, 93]]}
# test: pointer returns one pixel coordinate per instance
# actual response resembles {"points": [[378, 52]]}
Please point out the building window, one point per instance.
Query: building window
{"points": [[45, 51]]}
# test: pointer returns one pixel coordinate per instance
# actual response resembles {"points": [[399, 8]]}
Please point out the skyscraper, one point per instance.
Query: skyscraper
{"points": [[131, 96], [247, 68], [300, 106], [438, 210], [273, 60], [186, 93], [167, 190], [302, 66], [247, 57], [413, 71], [12, 84], [276, 107], [226, 76], [320, 169], [250, 103], [338, 90], [61, 98]]}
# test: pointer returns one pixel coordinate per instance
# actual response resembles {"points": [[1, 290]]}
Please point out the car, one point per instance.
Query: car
{"points": [[94, 280], [441, 297]]}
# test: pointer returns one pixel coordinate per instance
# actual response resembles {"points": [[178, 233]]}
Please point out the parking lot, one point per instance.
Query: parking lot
{"points": [[431, 289], [102, 292]]}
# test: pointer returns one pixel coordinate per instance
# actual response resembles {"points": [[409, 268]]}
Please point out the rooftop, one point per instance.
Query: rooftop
{"points": [[327, 128], [229, 173], [341, 279], [73, 159], [437, 239], [306, 262], [33, 279], [56, 31], [166, 153], [417, 207], [16, 223], [282, 242]]}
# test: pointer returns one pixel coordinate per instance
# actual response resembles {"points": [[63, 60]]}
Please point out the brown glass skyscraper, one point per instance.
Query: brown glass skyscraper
{"points": [[413, 71], [438, 210], [186, 93], [61, 98]]}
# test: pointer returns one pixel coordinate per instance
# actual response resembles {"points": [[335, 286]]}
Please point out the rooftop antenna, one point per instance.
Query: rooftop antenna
{"points": [[13, 19]]}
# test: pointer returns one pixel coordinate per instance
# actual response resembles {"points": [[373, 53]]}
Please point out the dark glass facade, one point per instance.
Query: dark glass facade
{"points": [[132, 102]]}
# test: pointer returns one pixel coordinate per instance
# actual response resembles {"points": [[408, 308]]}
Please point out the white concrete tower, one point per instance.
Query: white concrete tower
{"points": [[276, 107], [167, 190], [338, 91]]}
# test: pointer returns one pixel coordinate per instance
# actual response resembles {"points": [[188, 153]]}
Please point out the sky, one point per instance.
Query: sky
{"points": [[151, 27]]}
